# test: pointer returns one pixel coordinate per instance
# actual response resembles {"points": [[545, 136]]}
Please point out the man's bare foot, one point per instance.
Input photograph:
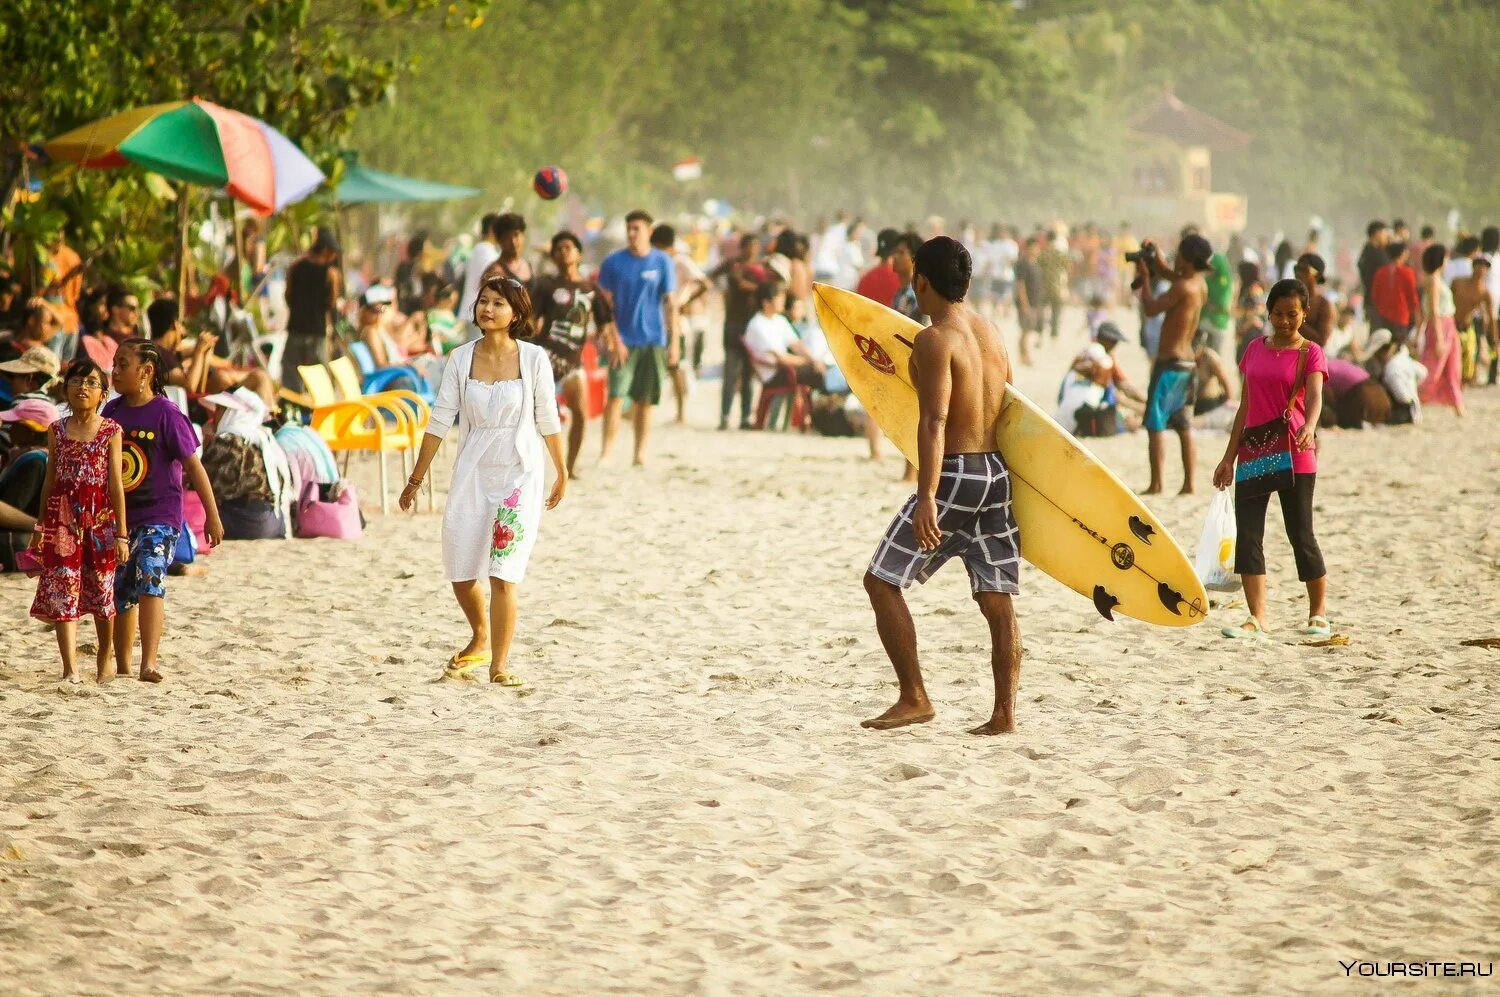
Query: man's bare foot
{"points": [[996, 724], [104, 674], [901, 715], [638, 462], [573, 473], [69, 676], [1186, 490], [151, 676], [1149, 490]]}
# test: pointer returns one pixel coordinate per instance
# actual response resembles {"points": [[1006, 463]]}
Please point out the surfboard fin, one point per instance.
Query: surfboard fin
{"points": [[1105, 603], [1143, 531], [1169, 597]]}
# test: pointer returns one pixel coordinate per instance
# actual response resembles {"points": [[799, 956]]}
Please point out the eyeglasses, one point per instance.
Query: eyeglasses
{"points": [[503, 280], [84, 382]]}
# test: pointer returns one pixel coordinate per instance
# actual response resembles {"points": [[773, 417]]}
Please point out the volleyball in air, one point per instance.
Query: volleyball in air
{"points": [[549, 182]]}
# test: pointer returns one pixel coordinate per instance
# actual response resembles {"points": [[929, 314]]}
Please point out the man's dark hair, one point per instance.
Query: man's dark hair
{"points": [[1248, 272], [639, 215], [1197, 251], [1482, 261], [1374, 228], [911, 240], [1489, 240], [664, 236], [325, 241], [1433, 257], [1468, 244], [487, 223], [786, 243], [769, 291], [509, 222], [115, 295], [885, 242], [1395, 249], [161, 316], [566, 235], [947, 266], [415, 245], [1399, 223], [748, 238], [1428, 231]]}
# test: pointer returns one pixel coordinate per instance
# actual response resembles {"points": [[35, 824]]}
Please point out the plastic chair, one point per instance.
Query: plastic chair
{"points": [[800, 396], [373, 380], [359, 425], [413, 405]]}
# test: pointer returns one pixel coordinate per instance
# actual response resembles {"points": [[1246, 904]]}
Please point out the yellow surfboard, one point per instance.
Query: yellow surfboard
{"points": [[1078, 522]]}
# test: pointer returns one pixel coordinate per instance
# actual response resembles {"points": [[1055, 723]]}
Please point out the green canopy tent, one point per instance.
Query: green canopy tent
{"points": [[362, 185]]}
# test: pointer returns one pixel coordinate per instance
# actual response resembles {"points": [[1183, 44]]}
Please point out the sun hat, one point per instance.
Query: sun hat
{"points": [[36, 360], [37, 413]]}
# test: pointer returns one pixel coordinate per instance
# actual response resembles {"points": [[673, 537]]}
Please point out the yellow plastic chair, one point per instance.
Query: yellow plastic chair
{"points": [[346, 378], [358, 425]]}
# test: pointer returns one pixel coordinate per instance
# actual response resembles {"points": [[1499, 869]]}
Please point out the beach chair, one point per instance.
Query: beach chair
{"points": [[365, 425], [373, 380], [772, 400], [412, 405]]}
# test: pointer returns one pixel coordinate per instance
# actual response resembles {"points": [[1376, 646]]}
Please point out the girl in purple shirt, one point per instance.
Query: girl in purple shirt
{"points": [[158, 444]]}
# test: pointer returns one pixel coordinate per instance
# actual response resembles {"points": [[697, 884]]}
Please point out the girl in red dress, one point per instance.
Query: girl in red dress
{"points": [[81, 534]]}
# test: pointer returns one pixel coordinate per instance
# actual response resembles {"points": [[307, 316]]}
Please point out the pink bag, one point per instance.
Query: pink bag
{"points": [[29, 562], [338, 519]]}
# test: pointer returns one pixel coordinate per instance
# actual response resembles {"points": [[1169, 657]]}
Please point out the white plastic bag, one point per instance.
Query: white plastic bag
{"points": [[1215, 560]]}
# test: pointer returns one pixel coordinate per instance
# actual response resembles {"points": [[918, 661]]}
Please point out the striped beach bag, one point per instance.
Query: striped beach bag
{"points": [[1263, 462]]}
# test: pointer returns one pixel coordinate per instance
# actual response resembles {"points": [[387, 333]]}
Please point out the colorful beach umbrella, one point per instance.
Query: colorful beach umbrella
{"points": [[197, 142]]}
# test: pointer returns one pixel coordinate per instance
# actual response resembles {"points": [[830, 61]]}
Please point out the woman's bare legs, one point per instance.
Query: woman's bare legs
{"points": [[470, 598], [502, 625]]}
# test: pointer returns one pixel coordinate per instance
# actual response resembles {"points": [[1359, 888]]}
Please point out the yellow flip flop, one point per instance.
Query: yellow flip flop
{"points": [[460, 666], [509, 679]]}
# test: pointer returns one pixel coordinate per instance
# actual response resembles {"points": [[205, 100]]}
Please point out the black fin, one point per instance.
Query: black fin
{"points": [[1169, 597], [1104, 602], [1143, 531]]}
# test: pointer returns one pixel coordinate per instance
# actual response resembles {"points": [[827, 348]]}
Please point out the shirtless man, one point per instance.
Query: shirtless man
{"points": [[963, 502], [1474, 314], [1169, 397]]}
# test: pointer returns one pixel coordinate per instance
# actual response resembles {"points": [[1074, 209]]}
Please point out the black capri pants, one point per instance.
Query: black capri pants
{"points": [[1297, 512]]}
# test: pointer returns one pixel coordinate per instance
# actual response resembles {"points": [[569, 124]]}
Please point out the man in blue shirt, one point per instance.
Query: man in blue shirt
{"points": [[639, 281]]}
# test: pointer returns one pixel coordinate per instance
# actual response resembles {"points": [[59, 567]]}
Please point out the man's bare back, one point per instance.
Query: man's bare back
{"points": [[962, 358]]}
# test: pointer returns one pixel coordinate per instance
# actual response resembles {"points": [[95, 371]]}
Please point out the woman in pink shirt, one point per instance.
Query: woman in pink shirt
{"points": [[1269, 367]]}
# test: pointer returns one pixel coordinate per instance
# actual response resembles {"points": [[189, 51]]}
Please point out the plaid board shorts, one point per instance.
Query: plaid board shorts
{"points": [[145, 573], [974, 514]]}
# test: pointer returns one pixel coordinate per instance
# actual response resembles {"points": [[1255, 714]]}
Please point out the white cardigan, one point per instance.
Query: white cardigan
{"points": [[536, 374]]}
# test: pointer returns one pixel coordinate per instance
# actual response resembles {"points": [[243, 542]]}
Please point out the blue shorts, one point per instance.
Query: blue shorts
{"points": [[145, 572], [1169, 399]]}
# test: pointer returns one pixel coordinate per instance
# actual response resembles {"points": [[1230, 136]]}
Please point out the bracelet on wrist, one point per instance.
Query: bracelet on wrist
{"points": [[414, 481]]}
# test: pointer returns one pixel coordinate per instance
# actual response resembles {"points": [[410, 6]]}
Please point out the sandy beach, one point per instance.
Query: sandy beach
{"points": [[681, 801]]}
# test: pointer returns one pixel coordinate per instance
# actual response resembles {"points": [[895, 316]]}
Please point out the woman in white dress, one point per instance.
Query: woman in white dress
{"points": [[503, 388]]}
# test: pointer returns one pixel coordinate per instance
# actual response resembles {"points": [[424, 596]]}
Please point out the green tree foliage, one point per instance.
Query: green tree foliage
{"points": [[304, 67]]}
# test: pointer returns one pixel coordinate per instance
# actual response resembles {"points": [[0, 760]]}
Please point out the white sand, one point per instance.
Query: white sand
{"points": [[683, 802]]}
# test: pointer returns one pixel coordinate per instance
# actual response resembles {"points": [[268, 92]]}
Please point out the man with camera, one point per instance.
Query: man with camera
{"points": [[1169, 399]]}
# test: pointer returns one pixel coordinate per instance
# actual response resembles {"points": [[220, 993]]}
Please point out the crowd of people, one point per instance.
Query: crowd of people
{"points": [[622, 314]]}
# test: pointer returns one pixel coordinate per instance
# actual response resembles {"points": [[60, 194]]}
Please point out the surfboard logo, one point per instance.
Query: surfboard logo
{"points": [[875, 355]]}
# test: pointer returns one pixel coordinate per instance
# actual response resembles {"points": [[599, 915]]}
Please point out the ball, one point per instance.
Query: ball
{"points": [[549, 182]]}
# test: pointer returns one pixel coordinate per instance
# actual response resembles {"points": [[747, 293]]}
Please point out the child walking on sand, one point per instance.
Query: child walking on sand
{"points": [[80, 537], [157, 443]]}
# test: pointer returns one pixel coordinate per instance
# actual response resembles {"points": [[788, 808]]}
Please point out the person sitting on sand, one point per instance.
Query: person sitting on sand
{"points": [[1088, 402], [962, 507]]}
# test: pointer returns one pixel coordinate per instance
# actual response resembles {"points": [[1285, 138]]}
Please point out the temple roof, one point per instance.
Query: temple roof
{"points": [[1169, 118]]}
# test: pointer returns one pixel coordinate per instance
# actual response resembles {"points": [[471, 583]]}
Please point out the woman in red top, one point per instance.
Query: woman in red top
{"points": [[1270, 367]]}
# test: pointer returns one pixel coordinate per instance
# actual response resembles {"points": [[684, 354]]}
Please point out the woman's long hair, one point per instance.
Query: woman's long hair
{"points": [[522, 322]]}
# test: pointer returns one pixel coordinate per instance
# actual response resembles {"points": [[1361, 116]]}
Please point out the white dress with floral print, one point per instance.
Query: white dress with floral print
{"points": [[494, 505]]}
